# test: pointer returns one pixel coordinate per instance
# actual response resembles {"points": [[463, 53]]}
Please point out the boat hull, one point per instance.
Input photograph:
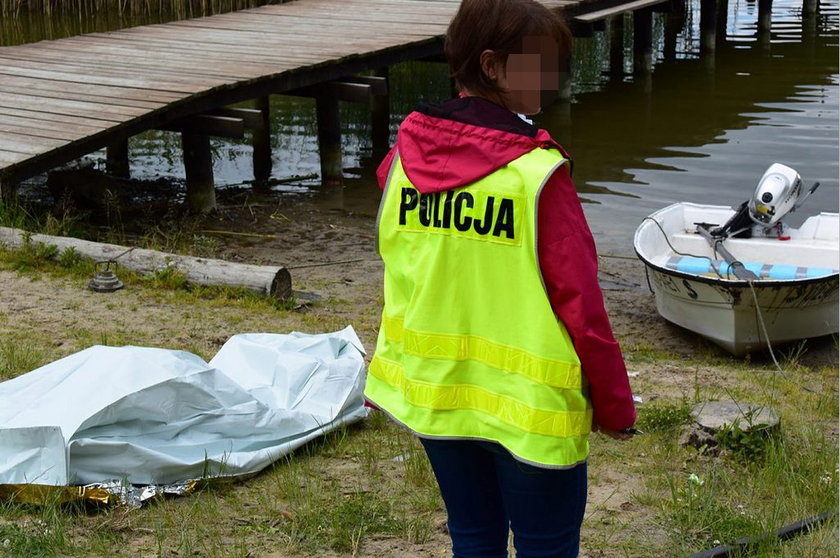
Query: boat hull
{"points": [[742, 316], [727, 314]]}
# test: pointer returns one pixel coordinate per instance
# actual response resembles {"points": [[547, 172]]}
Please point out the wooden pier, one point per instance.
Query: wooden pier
{"points": [[62, 99]]}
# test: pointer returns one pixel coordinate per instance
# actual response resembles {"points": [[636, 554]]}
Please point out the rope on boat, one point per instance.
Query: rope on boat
{"points": [[764, 327], [769, 347]]}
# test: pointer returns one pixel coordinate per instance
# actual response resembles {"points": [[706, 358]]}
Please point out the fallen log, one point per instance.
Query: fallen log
{"points": [[268, 280]]}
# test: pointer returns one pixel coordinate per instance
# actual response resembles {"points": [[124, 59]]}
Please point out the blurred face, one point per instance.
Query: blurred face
{"points": [[530, 78]]}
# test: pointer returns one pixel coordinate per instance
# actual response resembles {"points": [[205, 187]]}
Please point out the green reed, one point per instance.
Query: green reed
{"points": [[183, 8], [24, 21]]}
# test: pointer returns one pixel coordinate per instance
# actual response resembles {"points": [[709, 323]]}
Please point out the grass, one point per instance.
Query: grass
{"points": [[18, 355], [731, 499], [307, 502], [706, 500], [367, 489]]}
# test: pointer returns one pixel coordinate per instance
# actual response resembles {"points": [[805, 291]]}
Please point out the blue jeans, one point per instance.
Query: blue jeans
{"points": [[487, 492]]}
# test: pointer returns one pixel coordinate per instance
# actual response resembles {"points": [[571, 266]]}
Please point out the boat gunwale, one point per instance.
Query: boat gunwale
{"points": [[743, 283]]}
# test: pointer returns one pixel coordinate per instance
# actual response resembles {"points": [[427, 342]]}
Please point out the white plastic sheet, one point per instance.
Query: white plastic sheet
{"points": [[147, 416]]}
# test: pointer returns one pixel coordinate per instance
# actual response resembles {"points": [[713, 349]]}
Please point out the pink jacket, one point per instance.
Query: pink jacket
{"points": [[440, 153]]}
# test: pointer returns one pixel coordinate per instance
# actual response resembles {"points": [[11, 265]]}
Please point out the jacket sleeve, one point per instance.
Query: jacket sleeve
{"points": [[569, 265]]}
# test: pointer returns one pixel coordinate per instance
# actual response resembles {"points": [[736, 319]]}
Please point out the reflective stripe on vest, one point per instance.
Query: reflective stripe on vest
{"points": [[469, 346]]}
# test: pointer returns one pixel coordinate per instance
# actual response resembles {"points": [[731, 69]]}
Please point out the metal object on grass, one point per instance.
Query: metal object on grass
{"points": [[105, 280]]}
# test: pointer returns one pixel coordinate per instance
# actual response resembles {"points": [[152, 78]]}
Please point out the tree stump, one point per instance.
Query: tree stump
{"points": [[728, 421], [713, 416]]}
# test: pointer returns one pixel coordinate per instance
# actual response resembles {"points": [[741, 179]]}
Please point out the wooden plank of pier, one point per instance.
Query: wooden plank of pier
{"points": [[614, 10]]}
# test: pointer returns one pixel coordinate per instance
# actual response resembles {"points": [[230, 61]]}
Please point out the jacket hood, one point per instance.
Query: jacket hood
{"points": [[440, 154]]}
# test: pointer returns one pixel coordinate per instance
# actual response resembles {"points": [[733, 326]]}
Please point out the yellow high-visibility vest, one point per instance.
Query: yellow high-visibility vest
{"points": [[469, 346]]}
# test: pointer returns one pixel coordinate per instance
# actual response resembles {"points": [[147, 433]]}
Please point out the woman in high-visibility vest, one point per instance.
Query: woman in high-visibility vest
{"points": [[495, 347]]}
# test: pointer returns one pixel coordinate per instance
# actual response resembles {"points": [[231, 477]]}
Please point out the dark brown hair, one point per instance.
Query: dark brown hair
{"points": [[500, 26]]}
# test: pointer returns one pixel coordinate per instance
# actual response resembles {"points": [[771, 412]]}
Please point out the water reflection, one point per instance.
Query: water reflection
{"points": [[705, 127], [294, 137]]}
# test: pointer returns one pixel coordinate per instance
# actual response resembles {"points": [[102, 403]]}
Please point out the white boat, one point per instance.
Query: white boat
{"points": [[793, 294]]}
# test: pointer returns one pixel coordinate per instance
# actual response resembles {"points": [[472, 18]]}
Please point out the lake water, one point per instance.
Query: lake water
{"points": [[704, 129], [700, 128]]}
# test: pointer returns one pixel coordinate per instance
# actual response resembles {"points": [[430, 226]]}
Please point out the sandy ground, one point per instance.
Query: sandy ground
{"points": [[328, 246]]}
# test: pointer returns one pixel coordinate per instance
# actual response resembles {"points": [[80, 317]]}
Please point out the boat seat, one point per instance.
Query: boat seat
{"points": [[715, 268]]}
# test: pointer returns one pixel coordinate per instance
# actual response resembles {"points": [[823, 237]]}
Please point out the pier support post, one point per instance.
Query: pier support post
{"points": [[615, 27], [380, 117], [674, 24], [765, 19], [722, 17], [643, 40], [198, 164], [8, 190], [809, 23], [561, 113], [261, 138], [329, 139], [708, 25], [565, 87], [116, 159]]}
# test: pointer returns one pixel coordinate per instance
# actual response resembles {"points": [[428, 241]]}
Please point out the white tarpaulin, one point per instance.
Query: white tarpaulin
{"points": [[148, 416]]}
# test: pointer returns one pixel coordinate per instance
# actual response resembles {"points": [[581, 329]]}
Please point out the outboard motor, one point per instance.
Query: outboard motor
{"points": [[778, 193]]}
